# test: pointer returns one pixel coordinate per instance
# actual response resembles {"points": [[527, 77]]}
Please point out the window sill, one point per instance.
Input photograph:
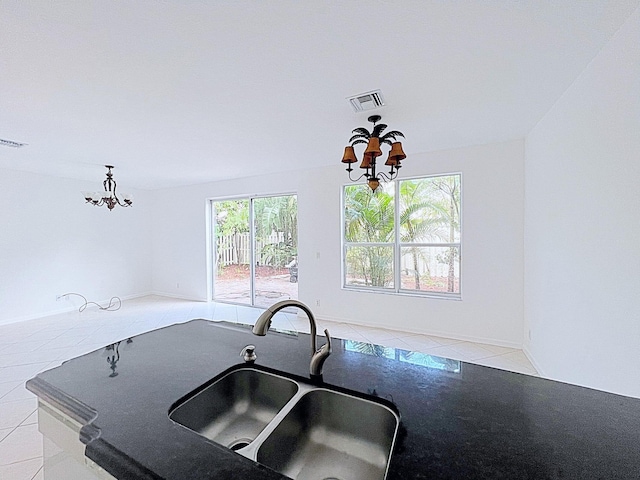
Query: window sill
{"points": [[405, 293]]}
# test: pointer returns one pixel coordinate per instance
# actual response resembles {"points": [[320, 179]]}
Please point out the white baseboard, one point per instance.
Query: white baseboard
{"points": [[535, 364], [58, 311], [180, 297], [434, 333]]}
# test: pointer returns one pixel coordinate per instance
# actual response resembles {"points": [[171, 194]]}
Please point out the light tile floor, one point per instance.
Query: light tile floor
{"points": [[30, 347]]}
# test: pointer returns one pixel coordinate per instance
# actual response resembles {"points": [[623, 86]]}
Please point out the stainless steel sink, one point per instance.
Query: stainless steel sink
{"points": [[236, 408], [330, 435], [303, 431]]}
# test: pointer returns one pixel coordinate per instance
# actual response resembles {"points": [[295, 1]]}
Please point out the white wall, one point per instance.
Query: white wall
{"points": [[582, 229], [180, 230], [52, 242], [492, 268]]}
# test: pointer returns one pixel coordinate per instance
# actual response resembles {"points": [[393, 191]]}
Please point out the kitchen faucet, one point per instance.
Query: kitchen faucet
{"points": [[318, 356]]}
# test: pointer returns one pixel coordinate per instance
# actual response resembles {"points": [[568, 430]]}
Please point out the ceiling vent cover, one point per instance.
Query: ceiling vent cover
{"points": [[366, 101]]}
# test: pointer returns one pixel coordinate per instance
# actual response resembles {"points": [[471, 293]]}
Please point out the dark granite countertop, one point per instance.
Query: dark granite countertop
{"points": [[458, 420]]}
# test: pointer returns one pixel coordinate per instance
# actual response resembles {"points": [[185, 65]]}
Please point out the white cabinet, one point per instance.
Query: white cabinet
{"points": [[64, 457]]}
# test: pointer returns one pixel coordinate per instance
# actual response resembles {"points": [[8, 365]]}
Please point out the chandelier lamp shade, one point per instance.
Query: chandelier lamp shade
{"points": [[374, 139], [108, 196]]}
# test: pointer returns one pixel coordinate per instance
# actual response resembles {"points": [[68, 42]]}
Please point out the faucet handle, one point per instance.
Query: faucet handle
{"points": [[319, 357], [248, 353], [328, 344]]}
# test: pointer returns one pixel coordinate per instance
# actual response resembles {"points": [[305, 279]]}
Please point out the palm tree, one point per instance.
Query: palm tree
{"points": [[429, 213], [369, 219], [424, 216], [417, 221], [279, 214], [450, 187]]}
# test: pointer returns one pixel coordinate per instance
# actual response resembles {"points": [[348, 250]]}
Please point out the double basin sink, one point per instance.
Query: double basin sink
{"points": [[304, 431]]}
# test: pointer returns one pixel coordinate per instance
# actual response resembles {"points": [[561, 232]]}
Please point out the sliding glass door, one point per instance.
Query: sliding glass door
{"points": [[255, 250]]}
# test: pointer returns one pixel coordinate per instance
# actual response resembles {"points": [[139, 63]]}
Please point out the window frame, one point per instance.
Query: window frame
{"points": [[397, 246]]}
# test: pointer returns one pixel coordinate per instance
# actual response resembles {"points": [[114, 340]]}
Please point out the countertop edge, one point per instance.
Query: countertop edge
{"points": [[67, 404], [116, 463]]}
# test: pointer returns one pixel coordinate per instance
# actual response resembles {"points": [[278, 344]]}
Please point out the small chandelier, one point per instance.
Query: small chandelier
{"points": [[373, 140], [108, 196]]}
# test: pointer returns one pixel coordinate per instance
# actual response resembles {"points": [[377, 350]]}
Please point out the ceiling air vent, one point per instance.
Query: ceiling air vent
{"points": [[11, 143], [366, 101]]}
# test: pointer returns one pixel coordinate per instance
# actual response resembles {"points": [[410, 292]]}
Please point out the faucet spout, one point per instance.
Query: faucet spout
{"points": [[318, 356]]}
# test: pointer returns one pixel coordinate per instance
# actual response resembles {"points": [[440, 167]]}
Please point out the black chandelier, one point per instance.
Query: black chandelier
{"points": [[108, 196], [373, 140]]}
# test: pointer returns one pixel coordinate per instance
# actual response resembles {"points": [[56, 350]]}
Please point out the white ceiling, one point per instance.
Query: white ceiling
{"points": [[182, 92]]}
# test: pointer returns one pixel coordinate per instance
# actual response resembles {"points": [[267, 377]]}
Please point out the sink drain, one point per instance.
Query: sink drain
{"points": [[238, 444]]}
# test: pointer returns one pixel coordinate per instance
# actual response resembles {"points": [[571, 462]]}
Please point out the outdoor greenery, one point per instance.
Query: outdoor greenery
{"points": [[280, 215], [271, 214], [427, 231], [429, 215], [369, 218], [232, 220]]}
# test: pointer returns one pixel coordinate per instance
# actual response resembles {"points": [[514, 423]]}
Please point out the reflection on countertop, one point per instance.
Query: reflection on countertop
{"points": [[112, 352], [407, 356]]}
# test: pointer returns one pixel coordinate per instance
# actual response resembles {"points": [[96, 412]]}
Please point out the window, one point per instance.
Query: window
{"points": [[405, 238]]}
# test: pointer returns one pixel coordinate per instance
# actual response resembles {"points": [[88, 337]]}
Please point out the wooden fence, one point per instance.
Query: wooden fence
{"points": [[236, 248]]}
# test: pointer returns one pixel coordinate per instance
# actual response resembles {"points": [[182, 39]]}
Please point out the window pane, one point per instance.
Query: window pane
{"points": [[370, 266], [369, 216], [430, 269], [430, 210]]}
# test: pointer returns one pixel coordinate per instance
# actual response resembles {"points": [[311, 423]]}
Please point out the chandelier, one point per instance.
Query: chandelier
{"points": [[108, 196], [374, 140]]}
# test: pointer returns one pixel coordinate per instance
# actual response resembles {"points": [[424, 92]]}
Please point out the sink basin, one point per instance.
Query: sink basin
{"points": [[331, 435], [236, 408], [304, 431]]}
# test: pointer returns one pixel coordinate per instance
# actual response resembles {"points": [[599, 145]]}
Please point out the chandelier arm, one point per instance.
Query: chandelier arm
{"points": [[349, 170], [114, 194], [125, 204], [386, 177]]}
